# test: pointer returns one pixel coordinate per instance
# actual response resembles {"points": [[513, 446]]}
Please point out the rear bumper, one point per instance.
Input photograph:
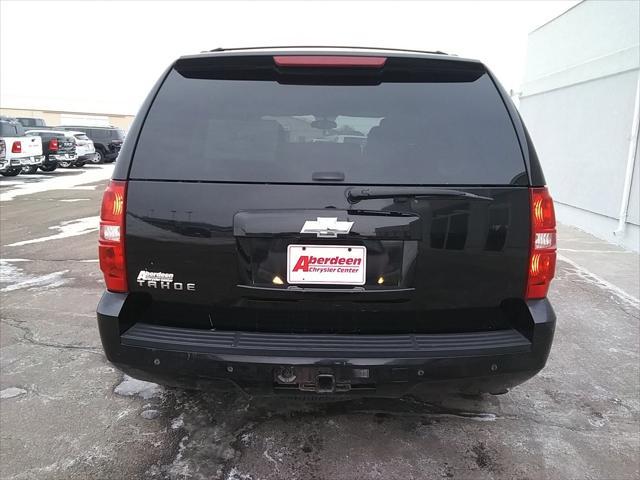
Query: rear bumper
{"points": [[7, 164], [383, 365], [34, 160], [63, 158]]}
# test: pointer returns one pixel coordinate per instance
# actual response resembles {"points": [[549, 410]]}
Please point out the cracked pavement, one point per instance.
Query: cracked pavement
{"points": [[61, 418]]}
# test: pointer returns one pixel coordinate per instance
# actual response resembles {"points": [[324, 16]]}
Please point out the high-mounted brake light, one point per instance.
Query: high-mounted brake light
{"points": [[16, 147], [53, 144], [332, 61], [111, 240], [542, 256]]}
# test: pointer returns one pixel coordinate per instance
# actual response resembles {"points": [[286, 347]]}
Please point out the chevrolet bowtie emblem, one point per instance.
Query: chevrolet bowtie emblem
{"points": [[326, 227]]}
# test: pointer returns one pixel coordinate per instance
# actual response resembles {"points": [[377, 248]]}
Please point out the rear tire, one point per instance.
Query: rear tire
{"points": [[48, 168], [64, 164], [98, 157], [29, 169], [12, 172]]}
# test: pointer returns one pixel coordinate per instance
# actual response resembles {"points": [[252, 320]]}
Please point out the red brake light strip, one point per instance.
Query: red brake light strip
{"points": [[332, 61]]}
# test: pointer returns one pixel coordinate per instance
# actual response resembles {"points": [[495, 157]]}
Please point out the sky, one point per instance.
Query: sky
{"points": [[111, 53]]}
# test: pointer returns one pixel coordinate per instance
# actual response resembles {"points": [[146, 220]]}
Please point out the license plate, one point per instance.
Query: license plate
{"points": [[326, 264]]}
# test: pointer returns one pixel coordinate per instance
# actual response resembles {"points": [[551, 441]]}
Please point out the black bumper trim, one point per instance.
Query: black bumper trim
{"points": [[312, 345], [398, 364]]}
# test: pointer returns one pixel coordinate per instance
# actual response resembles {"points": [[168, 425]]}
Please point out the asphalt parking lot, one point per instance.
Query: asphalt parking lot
{"points": [[67, 413]]}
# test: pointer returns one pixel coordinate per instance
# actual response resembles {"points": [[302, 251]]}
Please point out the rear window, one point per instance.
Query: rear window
{"points": [[446, 129], [31, 122], [11, 129], [81, 136]]}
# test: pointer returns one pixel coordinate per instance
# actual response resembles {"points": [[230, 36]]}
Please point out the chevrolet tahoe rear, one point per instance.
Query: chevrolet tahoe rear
{"points": [[244, 244]]}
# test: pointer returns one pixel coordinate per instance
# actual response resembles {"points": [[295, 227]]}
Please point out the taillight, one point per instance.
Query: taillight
{"points": [[53, 145], [542, 256], [333, 61], [16, 147], [111, 240]]}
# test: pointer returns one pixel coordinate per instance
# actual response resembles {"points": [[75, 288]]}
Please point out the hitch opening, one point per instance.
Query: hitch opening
{"points": [[325, 383]]}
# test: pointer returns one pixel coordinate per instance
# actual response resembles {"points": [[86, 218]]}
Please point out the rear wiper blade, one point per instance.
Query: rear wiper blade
{"points": [[356, 194]]}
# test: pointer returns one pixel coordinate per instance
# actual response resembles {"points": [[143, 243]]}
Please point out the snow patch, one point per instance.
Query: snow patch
{"points": [[177, 422], [122, 414], [150, 414], [246, 438], [71, 200], [579, 250], [12, 392], [267, 455], [180, 468], [17, 279], [130, 387], [601, 282], [480, 417], [70, 228], [235, 474], [59, 182]]}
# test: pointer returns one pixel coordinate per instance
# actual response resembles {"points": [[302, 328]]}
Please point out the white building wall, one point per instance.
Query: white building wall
{"points": [[578, 102]]}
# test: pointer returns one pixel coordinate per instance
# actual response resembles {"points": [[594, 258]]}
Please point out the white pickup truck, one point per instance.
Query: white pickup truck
{"points": [[20, 150]]}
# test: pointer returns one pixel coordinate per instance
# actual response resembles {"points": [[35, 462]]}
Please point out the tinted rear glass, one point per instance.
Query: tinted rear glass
{"points": [[11, 129], [31, 122], [451, 130], [95, 133]]}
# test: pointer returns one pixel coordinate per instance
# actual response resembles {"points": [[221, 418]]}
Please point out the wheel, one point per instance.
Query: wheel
{"points": [[98, 157], [27, 169], [49, 167], [64, 164], [12, 172]]}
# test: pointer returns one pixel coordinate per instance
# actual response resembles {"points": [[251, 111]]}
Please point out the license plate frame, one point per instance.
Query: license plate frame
{"points": [[313, 270]]}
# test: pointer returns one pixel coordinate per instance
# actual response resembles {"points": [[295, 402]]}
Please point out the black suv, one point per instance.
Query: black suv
{"points": [[106, 140], [243, 242]]}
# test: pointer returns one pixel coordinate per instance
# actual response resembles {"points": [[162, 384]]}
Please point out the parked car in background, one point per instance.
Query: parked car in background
{"points": [[20, 152], [30, 122], [3, 150], [106, 140], [59, 148], [84, 148]]}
